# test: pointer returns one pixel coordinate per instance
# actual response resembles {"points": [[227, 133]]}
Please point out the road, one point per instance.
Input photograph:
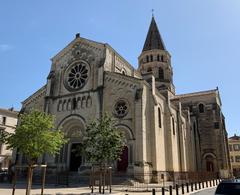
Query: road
{"points": [[209, 191]]}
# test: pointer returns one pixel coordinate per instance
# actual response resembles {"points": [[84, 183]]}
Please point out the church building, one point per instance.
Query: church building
{"points": [[164, 131]]}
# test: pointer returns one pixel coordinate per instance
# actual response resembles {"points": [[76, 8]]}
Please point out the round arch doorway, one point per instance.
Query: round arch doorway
{"points": [[76, 158], [122, 164], [71, 158]]}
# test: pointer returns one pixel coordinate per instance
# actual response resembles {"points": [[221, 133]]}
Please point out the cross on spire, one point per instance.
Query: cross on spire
{"points": [[152, 12]]}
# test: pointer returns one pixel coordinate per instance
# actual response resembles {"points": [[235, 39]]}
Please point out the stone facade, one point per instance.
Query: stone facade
{"points": [[8, 122], [164, 131], [234, 149]]}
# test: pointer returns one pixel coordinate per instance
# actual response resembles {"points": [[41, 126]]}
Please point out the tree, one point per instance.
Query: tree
{"points": [[103, 144], [35, 136]]}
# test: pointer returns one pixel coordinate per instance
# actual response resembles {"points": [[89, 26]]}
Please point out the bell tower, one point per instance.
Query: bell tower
{"points": [[155, 60]]}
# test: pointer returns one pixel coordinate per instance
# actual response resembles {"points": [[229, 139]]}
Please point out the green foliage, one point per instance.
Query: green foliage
{"points": [[36, 135], [3, 136], [103, 142]]}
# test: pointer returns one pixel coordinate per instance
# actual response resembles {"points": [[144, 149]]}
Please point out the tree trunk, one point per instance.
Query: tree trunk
{"points": [[29, 179]]}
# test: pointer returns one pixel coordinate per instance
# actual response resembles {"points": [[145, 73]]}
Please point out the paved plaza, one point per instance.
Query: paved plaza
{"points": [[6, 189]]}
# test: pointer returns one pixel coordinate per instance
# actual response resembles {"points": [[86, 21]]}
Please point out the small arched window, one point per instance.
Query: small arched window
{"points": [[158, 58], [159, 118], [161, 73], [123, 72], [201, 108], [149, 69], [147, 58], [173, 126], [60, 105], [151, 58], [74, 103], [162, 58]]}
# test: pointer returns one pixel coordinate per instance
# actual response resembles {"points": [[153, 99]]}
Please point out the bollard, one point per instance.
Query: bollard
{"points": [[182, 188], [176, 189], [191, 187], [195, 185], [203, 184], [170, 190], [187, 187], [210, 183], [163, 191], [213, 182], [153, 192], [199, 185]]}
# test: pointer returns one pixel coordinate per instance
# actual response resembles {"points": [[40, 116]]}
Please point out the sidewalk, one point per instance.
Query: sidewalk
{"points": [[6, 189]]}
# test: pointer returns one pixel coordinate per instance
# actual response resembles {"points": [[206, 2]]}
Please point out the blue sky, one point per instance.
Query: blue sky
{"points": [[203, 37]]}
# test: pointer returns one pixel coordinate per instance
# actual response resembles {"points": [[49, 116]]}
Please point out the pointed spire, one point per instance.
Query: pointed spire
{"points": [[153, 40]]}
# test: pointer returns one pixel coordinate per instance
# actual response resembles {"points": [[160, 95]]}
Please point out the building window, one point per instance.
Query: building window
{"points": [[147, 58], [151, 58], [232, 159], [201, 108], [77, 75], [158, 58], [230, 147], [236, 147], [149, 69], [161, 73], [4, 119], [216, 125], [237, 158], [120, 108], [74, 103], [190, 108], [162, 59], [173, 126], [159, 118]]}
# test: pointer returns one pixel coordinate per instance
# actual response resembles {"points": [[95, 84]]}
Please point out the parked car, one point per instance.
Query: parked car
{"points": [[228, 187], [3, 176]]}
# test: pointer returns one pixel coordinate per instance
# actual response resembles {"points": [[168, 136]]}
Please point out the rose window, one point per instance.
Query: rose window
{"points": [[77, 76], [121, 108]]}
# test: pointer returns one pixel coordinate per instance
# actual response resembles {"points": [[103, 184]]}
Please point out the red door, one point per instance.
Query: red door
{"points": [[122, 164]]}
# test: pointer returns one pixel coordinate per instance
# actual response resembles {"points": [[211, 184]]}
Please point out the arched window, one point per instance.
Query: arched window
{"points": [[147, 58], [160, 73], [162, 58], [123, 72], [74, 103], [151, 58], [60, 106], [149, 69], [158, 58], [173, 126], [159, 118], [201, 108]]}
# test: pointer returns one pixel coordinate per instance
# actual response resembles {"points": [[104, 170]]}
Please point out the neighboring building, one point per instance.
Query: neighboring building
{"points": [[8, 122], [164, 131], [234, 148]]}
